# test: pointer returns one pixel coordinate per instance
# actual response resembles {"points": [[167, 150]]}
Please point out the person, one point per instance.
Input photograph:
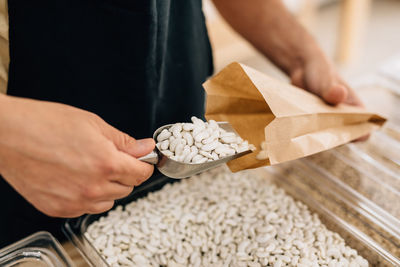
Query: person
{"points": [[73, 68]]}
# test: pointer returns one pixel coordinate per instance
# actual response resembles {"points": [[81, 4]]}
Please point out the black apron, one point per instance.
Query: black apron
{"points": [[137, 64]]}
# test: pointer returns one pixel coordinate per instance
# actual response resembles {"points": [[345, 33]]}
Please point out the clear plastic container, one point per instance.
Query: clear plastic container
{"points": [[392, 131], [294, 185], [365, 176], [379, 97], [38, 250], [369, 169], [364, 225], [383, 152]]}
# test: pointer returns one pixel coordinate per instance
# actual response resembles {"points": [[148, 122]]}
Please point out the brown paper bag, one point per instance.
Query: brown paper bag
{"points": [[294, 122]]}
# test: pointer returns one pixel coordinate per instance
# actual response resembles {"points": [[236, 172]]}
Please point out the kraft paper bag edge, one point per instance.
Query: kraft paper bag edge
{"points": [[250, 161]]}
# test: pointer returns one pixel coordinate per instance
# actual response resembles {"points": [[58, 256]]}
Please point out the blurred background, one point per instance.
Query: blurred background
{"points": [[360, 36]]}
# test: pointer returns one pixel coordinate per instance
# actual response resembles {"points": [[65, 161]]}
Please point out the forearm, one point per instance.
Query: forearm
{"points": [[269, 27]]}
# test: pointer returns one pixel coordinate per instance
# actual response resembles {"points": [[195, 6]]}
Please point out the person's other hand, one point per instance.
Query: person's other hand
{"points": [[66, 161], [318, 76]]}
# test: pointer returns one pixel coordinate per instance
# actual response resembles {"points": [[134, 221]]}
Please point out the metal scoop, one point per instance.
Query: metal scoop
{"points": [[179, 170]]}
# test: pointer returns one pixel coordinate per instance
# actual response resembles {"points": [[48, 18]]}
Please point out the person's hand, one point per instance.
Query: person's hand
{"points": [[276, 33], [318, 76], [66, 161]]}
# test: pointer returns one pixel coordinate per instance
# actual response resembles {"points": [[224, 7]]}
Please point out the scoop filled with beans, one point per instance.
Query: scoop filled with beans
{"points": [[199, 142]]}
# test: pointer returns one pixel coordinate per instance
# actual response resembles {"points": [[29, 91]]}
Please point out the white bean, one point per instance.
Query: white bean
{"points": [[206, 154], [215, 156], [197, 122], [188, 127], [224, 150], [167, 153], [199, 159], [213, 124], [263, 145], [198, 144], [179, 149], [242, 148], [210, 146], [188, 137], [165, 134], [202, 135], [164, 144], [228, 139], [186, 151], [190, 156], [197, 130], [176, 130], [227, 134], [173, 144], [262, 155], [196, 158], [211, 138]]}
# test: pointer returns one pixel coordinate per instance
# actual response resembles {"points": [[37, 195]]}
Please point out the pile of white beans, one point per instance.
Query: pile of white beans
{"points": [[199, 142], [219, 219]]}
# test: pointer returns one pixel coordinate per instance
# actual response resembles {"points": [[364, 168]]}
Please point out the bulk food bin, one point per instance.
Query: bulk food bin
{"points": [[380, 97], [38, 250], [294, 184], [366, 177]]}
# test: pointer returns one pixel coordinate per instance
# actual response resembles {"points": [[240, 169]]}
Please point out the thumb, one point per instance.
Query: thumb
{"points": [[335, 94], [137, 148], [125, 143]]}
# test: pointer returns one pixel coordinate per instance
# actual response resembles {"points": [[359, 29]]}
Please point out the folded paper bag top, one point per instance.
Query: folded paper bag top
{"points": [[293, 122]]}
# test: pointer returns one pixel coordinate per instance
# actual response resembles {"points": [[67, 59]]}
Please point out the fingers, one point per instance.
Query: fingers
{"points": [[121, 164], [141, 147], [114, 190], [101, 206], [130, 171], [330, 93], [95, 199], [102, 191]]}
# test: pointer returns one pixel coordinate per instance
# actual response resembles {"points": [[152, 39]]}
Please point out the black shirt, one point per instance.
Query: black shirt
{"points": [[137, 64]]}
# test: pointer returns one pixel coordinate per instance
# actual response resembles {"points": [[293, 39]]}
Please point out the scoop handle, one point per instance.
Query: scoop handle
{"points": [[151, 158]]}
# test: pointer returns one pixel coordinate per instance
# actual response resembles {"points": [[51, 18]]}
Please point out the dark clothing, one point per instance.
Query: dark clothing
{"points": [[137, 64]]}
